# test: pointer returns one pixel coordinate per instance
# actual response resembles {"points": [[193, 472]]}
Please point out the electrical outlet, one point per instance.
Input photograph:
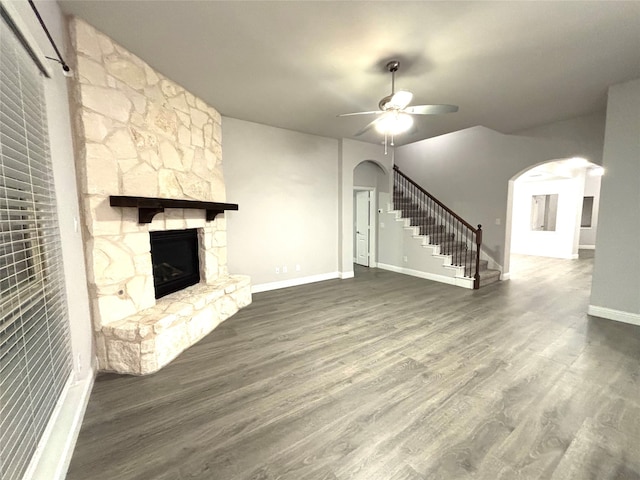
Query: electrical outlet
{"points": [[297, 267], [381, 224], [404, 259], [277, 269], [284, 269], [498, 221]]}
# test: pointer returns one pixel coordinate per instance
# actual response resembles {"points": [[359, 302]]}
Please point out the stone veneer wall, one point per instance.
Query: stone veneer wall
{"points": [[138, 133]]}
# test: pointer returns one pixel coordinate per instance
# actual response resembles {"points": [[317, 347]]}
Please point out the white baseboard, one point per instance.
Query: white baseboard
{"points": [[586, 247], [345, 275], [617, 315], [294, 282], [505, 276], [54, 452], [461, 282]]}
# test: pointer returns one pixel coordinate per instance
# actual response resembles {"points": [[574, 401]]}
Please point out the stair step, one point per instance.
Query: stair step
{"points": [[487, 277], [460, 252], [439, 238], [424, 223], [468, 259], [470, 268], [431, 229], [460, 255], [454, 246], [408, 207]]}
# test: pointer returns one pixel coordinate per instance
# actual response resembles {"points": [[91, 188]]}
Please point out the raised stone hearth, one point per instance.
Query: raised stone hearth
{"points": [[145, 342], [140, 134]]}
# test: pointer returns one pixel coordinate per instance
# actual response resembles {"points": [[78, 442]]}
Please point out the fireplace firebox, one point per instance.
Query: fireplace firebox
{"points": [[174, 255]]}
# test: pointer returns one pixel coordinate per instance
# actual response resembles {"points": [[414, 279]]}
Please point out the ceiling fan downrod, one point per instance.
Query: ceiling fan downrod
{"points": [[392, 66]]}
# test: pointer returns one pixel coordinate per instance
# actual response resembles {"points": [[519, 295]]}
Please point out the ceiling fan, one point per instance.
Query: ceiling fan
{"points": [[395, 114]]}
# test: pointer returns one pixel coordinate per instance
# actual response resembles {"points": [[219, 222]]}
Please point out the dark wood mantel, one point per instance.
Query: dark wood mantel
{"points": [[148, 207]]}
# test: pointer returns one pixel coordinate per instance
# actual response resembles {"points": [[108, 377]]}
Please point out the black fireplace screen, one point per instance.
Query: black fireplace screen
{"points": [[174, 255]]}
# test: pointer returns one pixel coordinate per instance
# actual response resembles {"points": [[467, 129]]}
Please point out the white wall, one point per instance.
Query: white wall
{"points": [[370, 174], [295, 197], [400, 251], [469, 171], [351, 154], [563, 241], [586, 132], [588, 234], [615, 290], [286, 186], [63, 429]]}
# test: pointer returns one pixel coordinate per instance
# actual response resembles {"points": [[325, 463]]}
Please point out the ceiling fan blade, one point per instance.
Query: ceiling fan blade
{"points": [[372, 112], [399, 100], [431, 109], [366, 128]]}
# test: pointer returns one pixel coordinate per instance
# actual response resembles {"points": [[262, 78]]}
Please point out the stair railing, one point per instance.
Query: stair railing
{"points": [[455, 235]]}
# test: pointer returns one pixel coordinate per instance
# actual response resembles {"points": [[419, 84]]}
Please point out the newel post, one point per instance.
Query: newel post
{"points": [[476, 278]]}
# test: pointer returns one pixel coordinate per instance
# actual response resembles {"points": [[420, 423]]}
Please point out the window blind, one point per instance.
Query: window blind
{"points": [[35, 352]]}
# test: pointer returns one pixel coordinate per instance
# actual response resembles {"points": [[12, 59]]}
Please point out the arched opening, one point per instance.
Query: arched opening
{"points": [[553, 210], [369, 180]]}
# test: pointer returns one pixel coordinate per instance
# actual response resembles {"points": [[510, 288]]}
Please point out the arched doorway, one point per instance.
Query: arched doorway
{"points": [[553, 209], [369, 179]]}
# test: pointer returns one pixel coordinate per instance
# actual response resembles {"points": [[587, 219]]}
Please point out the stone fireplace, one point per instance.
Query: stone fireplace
{"points": [[137, 133]]}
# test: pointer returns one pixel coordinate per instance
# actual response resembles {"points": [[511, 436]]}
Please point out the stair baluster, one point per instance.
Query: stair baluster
{"points": [[455, 236]]}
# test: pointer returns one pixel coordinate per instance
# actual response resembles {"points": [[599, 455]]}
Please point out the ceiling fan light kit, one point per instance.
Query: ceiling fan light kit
{"points": [[395, 114], [394, 123]]}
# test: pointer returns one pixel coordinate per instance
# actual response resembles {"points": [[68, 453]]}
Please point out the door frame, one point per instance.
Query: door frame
{"points": [[373, 221]]}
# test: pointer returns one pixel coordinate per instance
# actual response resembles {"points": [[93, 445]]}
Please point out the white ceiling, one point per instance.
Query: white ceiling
{"points": [[297, 64]]}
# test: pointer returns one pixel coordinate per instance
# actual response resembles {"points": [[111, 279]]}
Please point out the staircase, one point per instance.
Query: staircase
{"points": [[438, 227]]}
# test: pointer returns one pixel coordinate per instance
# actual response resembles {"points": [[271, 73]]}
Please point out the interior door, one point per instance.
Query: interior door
{"points": [[362, 227]]}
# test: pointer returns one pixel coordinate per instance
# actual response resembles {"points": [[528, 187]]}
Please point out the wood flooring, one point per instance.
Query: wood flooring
{"points": [[385, 377]]}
